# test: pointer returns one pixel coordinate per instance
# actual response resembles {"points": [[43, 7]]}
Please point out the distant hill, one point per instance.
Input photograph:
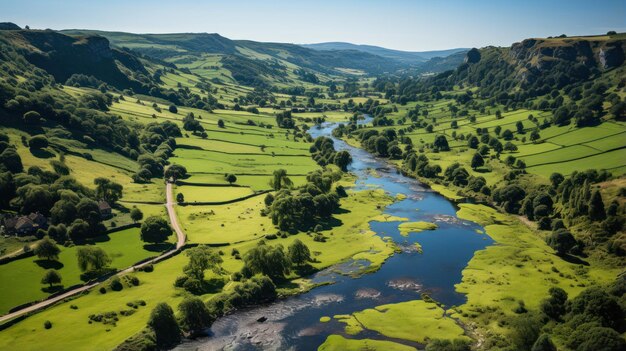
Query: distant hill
{"points": [[410, 57], [169, 46]]}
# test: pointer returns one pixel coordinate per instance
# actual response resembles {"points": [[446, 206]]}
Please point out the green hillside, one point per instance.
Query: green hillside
{"points": [[96, 127]]}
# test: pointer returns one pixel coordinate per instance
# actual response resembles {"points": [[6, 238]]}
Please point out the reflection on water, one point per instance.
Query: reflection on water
{"points": [[294, 323]]}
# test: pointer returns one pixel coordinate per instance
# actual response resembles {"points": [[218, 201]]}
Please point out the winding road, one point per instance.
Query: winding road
{"points": [[180, 242]]}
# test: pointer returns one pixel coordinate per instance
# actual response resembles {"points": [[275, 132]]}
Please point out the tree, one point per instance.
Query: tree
{"points": [[509, 146], [596, 207], [394, 152], [520, 127], [381, 144], [298, 253], [175, 172], [599, 339], [220, 123], [155, 229], [51, 277], [47, 249], [38, 142], [477, 161], [201, 258], [595, 304], [448, 345], [473, 142], [92, 258], [136, 214], [173, 109], [231, 178], [562, 241], [507, 134], [164, 325], [543, 343], [535, 135], [108, 190], [441, 143], [554, 306], [556, 179], [180, 197], [342, 159], [194, 315], [79, 230], [32, 117], [88, 210], [11, 160], [280, 180], [268, 260], [526, 329]]}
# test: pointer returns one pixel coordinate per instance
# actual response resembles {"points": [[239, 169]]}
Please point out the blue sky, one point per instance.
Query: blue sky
{"points": [[399, 24]]}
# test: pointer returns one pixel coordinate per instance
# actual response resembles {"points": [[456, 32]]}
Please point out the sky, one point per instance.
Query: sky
{"points": [[411, 25]]}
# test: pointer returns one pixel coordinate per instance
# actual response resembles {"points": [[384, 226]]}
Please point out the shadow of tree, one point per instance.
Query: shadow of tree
{"points": [[574, 259], [49, 264], [213, 285], [305, 270], [89, 275], [52, 289], [41, 153], [160, 247]]}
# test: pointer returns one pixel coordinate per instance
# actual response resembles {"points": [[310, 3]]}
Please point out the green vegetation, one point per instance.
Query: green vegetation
{"points": [[338, 342], [86, 144], [415, 227], [416, 320]]}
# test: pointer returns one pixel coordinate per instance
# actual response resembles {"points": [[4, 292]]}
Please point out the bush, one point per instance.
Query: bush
{"points": [[131, 280], [155, 230], [47, 324], [102, 290], [148, 268], [180, 281], [38, 142], [448, 345], [194, 286], [116, 284]]}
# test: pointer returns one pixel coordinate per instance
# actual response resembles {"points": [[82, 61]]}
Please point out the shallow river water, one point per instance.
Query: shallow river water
{"points": [[293, 323]]}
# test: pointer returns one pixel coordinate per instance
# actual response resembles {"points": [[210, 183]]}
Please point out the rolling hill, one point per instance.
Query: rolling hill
{"points": [[409, 57]]}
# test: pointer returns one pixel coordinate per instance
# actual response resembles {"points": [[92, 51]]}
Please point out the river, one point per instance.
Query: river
{"points": [[294, 323]]}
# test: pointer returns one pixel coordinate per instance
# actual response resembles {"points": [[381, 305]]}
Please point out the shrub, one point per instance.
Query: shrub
{"points": [[180, 281], [116, 284], [47, 324]]}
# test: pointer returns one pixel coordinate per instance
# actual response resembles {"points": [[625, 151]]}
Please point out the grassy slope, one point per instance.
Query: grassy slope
{"points": [[520, 267]]}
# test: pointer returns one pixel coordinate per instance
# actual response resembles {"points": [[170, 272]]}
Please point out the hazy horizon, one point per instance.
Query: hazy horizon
{"points": [[399, 25]]}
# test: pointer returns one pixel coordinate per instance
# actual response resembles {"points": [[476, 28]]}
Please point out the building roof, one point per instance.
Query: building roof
{"points": [[24, 223], [10, 223], [103, 205]]}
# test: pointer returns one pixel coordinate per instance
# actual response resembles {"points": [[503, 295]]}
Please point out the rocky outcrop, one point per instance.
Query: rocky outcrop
{"points": [[472, 56], [611, 55], [97, 48], [63, 56], [543, 54]]}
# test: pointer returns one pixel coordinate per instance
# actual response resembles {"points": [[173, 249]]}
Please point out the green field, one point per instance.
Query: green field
{"points": [[212, 193], [125, 248]]}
